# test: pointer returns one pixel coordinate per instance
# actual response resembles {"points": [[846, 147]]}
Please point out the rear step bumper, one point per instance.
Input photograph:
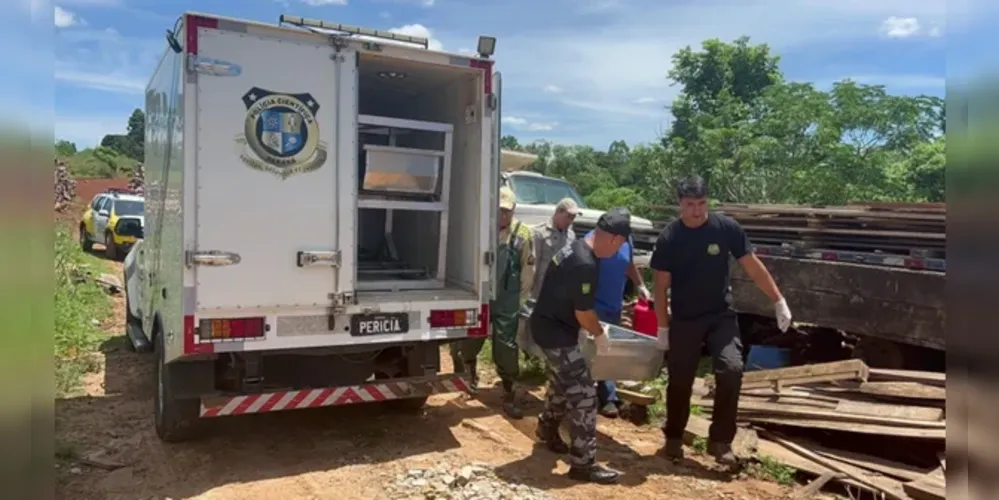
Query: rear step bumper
{"points": [[385, 390]]}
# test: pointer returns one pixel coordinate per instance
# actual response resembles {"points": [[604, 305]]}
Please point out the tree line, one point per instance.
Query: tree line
{"points": [[757, 137], [117, 154]]}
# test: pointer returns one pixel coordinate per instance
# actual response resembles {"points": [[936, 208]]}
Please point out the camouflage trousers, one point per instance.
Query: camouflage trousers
{"points": [[571, 393]]}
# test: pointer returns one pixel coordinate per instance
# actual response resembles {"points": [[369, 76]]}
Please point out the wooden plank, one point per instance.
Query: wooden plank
{"points": [[744, 445], [855, 427], [814, 486], [851, 232], [907, 412], [898, 470], [791, 459], [749, 410], [909, 390], [932, 486], [889, 487], [851, 369], [929, 378]]}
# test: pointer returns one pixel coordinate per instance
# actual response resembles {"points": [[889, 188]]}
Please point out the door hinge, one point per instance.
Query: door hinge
{"points": [[214, 67], [489, 257], [492, 101], [308, 258], [340, 301]]}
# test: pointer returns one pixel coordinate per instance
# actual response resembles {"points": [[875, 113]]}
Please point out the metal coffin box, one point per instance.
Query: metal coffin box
{"points": [[632, 356], [402, 170]]}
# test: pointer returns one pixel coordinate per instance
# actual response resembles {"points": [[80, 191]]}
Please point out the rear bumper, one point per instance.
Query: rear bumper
{"points": [[385, 390]]}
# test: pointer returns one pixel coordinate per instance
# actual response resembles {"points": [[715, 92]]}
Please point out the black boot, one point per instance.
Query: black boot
{"points": [[674, 449], [548, 434], [473, 376], [510, 406], [594, 473], [722, 453]]}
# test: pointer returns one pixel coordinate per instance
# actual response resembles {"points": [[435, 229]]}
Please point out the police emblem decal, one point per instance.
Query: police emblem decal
{"points": [[713, 249], [281, 133]]}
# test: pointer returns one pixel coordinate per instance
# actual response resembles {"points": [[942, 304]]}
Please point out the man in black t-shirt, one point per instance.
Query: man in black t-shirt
{"points": [[691, 262], [564, 306]]}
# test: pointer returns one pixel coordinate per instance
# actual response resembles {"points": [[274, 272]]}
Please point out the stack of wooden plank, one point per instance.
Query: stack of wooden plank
{"points": [[887, 228], [850, 398]]}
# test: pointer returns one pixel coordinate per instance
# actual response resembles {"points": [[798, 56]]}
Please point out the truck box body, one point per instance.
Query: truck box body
{"points": [[314, 193]]}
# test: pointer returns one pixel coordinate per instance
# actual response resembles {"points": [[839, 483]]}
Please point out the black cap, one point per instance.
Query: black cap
{"points": [[616, 221]]}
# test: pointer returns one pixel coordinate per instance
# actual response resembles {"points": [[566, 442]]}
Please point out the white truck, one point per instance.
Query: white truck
{"points": [[537, 196], [321, 214]]}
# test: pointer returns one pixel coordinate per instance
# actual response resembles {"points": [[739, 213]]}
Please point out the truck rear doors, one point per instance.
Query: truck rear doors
{"points": [[268, 186]]}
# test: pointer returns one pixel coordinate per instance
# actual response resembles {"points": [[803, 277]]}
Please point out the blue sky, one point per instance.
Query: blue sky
{"points": [[583, 71]]}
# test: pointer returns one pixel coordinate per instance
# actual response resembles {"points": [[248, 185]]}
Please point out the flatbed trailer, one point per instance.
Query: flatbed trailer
{"points": [[893, 306]]}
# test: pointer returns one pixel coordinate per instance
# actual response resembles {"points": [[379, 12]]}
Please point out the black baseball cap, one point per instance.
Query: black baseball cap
{"points": [[616, 221]]}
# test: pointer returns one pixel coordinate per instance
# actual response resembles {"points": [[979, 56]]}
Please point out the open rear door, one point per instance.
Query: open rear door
{"points": [[267, 204], [496, 159]]}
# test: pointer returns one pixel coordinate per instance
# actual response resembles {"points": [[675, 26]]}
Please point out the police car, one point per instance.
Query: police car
{"points": [[114, 218]]}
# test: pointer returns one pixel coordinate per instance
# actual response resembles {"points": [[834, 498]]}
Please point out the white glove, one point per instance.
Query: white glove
{"points": [[644, 293], [783, 314], [603, 345], [662, 338]]}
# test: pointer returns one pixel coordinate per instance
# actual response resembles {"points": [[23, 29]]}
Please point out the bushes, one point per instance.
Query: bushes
{"points": [[78, 306]]}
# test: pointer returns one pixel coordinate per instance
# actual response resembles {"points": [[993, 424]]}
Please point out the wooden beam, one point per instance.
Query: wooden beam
{"points": [[890, 488], [929, 378], [932, 486], [851, 369], [750, 410], [814, 486], [855, 427]]}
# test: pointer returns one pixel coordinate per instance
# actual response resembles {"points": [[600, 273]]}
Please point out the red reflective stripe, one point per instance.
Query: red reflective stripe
{"points": [[487, 73], [191, 30], [375, 393]]}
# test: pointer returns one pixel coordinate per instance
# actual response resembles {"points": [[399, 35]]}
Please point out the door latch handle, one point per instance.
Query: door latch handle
{"points": [[211, 258]]}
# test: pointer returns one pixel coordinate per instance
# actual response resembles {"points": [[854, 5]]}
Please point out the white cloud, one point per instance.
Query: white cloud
{"points": [[319, 3], [552, 89], [900, 27], [64, 18], [428, 3], [104, 60], [118, 83], [935, 31], [645, 100], [420, 31], [526, 125]]}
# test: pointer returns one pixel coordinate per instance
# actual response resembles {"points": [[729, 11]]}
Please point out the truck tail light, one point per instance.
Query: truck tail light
{"points": [[454, 318], [235, 328], [483, 329]]}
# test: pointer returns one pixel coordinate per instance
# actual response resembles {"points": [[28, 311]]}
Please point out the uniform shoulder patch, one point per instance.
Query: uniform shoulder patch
{"points": [[586, 288]]}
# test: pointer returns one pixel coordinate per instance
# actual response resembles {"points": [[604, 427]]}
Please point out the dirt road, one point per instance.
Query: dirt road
{"points": [[111, 450]]}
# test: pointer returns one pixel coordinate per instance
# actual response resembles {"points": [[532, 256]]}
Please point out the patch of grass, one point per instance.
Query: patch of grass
{"points": [[768, 468], [79, 308]]}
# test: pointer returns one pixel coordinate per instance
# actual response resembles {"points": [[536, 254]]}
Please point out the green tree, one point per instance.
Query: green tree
{"points": [[65, 148]]}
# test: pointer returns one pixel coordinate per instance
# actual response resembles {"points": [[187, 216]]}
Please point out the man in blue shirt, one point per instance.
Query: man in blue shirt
{"points": [[609, 303]]}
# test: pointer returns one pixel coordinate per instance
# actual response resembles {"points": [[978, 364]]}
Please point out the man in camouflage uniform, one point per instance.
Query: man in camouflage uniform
{"points": [[565, 306], [514, 277]]}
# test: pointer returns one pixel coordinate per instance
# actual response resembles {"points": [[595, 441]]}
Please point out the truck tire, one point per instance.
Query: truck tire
{"points": [[110, 249], [177, 420], [85, 244]]}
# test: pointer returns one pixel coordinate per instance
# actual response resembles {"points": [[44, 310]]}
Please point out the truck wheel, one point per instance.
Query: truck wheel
{"points": [[176, 419], [110, 249], [85, 244]]}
